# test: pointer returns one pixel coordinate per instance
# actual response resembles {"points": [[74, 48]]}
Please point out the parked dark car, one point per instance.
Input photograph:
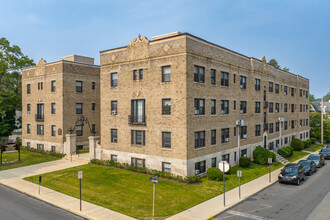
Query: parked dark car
{"points": [[328, 146], [325, 152], [317, 158], [309, 166], [292, 173]]}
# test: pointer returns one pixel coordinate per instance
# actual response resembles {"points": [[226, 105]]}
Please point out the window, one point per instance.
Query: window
{"points": [[93, 128], [243, 107], [134, 74], [28, 88], [166, 74], [234, 78], [199, 139], [113, 107], [79, 108], [137, 137], [277, 88], [114, 136], [277, 126], [137, 162], [53, 86], [271, 145], [301, 107], [53, 130], [258, 130], [213, 77], [166, 139], [40, 85], [285, 90], [213, 106], [79, 147], [213, 137], [28, 144], [270, 87], [40, 129], [28, 109], [257, 107], [224, 135], [79, 86], [140, 74], [285, 125], [306, 122], [292, 91], [277, 107], [28, 129], [271, 128], [242, 81], [53, 148], [234, 131], [224, 79], [199, 74], [306, 94], [277, 143], [113, 79], [224, 107], [292, 107], [53, 108], [199, 106], [79, 130], [138, 111], [234, 104], [214, 162], [93, 106], [271, 107], [225, 157], [285, 107], [113, 157], [200, 167], [292, 124], [257, 84], [166, 106], [40, 147], [244, 153], [301, 122], [300, 93], [244, 132], [285, 140], [93, 85], [166, 167]]}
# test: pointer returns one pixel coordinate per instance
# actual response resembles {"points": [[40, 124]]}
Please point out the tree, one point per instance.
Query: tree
{"points": [[315, 124], [275, 64], [12, 60]]}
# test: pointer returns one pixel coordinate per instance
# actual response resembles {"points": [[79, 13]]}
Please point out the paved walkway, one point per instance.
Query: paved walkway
{"points": [[13, 178]]}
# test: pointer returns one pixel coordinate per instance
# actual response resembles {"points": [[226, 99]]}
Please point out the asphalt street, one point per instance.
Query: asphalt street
{"points": [[17, 206], [284, 201]]}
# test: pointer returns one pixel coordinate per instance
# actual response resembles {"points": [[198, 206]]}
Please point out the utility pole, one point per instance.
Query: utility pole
{"points": [[322, 122]]}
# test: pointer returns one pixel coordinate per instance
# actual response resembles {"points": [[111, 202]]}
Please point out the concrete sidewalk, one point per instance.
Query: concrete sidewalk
{"points": [[13, 178]]}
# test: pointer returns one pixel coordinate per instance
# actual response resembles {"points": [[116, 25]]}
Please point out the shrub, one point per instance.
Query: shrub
{"points": [[192, 179], [306, 144], [313, 140], [229, 171], [261, 155], [244, 162], [50, 153], [273, 156], [214, 173], [297, 144], [285, 151]]}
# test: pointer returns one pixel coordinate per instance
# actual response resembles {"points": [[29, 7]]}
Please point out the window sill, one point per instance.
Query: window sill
{"points": [[137, 145], [200, 148], [166, 148], [166, 82]]}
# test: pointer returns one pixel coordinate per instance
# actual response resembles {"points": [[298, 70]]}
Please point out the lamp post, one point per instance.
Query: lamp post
{"points": [[281, 119], [322, 122], [153, 179]]}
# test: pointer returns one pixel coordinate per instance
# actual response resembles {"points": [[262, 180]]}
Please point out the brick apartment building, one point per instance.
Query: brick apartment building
{"points": [[54, 95], [172, 104]]}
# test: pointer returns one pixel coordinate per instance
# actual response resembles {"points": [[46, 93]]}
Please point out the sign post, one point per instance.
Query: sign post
{"points": [[270, 168], [80, 176], [224, 167], [39, 183], [153, 179], [239, 174]]}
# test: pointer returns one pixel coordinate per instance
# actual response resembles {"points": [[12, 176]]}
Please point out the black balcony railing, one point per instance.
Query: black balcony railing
{"points": [[39, 117], [137, 119]]}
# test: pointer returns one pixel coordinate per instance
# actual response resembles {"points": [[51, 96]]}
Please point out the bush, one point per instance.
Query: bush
{"points": [[192, 179], [313, 140], [244, 162], [214, 173], [261, 155], [297, 144], [273, 156], [285, 151], [50, 153], [306, 144], [229, 171]]}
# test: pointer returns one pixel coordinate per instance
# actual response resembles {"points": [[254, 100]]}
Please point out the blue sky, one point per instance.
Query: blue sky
{"points": [[295, 33]]}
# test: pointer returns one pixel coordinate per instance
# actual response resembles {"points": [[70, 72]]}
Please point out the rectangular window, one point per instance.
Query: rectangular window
{"points": [[285, 125], [93, 106], [277, 107], [140, 74], [285, 90], [199, 74], [199, 139], [257, 107], [28, 129], [257, 84], [199, 106], [234, 131], [53, 130], [28, 144], [40, 129], [301, 107], [277, 126], [214, 162], [213, 77], [137, 162], [28, 88], [224, 107], [53, 148], [271, 107], [306, 122], [200, 167], [166, 106], [28, 109], [40, 147], [213, 106], [277, 88], [53, 86], [271, 128], [93, 129], [79, 130], [53, 110], [113, 107], [225, 157], [113, 79], [79, 108], [270, 87], [79, 86], [285, 107], [166, 74], [258, 130], [292, 124], [242, 82], [234, 78], [40, 85], [113, 157], [213, 137], [134, 74], [114, 135], [243, 107], [137, 137], [138, 111], [244, 153], [224, 79], [300, 93], [166, 167], [166, 139], [224, 135], [292, 107], [292, 91], [244, 132], [93, 85]]}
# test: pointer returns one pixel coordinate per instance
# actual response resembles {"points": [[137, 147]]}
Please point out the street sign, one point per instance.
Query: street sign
{"points": [[239, 173], [224, 165], [80, 175], [270, 160], [153, 179]]}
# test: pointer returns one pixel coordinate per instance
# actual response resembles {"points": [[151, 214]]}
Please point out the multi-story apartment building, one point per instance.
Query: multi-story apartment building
{"points": [[54, 96], [172, 104]]}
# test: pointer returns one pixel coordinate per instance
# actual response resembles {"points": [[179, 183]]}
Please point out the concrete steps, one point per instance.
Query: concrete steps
{"points": [[81, 158], [280, 158]]}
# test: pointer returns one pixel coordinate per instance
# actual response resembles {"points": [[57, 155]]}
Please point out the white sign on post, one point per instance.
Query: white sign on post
{"points": [[239, 173], [80, 175], [270, 160], [224, 165]]}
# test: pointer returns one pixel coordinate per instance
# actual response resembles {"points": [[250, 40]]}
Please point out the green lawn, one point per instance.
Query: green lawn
{"points": [[314, 148], [131, 193], [297, 155], [28, 158]]}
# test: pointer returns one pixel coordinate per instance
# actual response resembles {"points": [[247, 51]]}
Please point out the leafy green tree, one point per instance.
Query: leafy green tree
{"points": [[275, 64], [315, 124], [12, 60]]}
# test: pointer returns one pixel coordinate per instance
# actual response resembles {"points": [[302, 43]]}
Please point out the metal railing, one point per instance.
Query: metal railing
{"points": [[137, 119], [39, 117]]}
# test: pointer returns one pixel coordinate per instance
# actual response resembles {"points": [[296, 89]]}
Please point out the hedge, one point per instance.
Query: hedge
{"points": [[44, 152], [244, 162], [313, 140], [297, 144], [261, 155], [214, 173], [285, 151]]}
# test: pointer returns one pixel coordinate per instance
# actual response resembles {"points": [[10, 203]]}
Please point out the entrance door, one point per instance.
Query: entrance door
{"points": [[265, 142]]}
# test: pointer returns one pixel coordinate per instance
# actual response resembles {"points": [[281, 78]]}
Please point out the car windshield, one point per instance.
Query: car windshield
{"points": [[314, 157], [305, 163], [325, 150], [291, 169]]}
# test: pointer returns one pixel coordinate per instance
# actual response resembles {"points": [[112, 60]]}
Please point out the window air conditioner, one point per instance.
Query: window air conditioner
{"points": [[114, 112], [245, 135], [222, 111], [226, 139]]}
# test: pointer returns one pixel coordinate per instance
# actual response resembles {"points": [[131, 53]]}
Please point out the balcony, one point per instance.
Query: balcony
{"points": [[39, 117], [137, 119], [265, 104]]}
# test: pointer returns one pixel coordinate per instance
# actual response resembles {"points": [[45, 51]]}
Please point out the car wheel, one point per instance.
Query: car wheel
{"points": [[298, 182]]}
